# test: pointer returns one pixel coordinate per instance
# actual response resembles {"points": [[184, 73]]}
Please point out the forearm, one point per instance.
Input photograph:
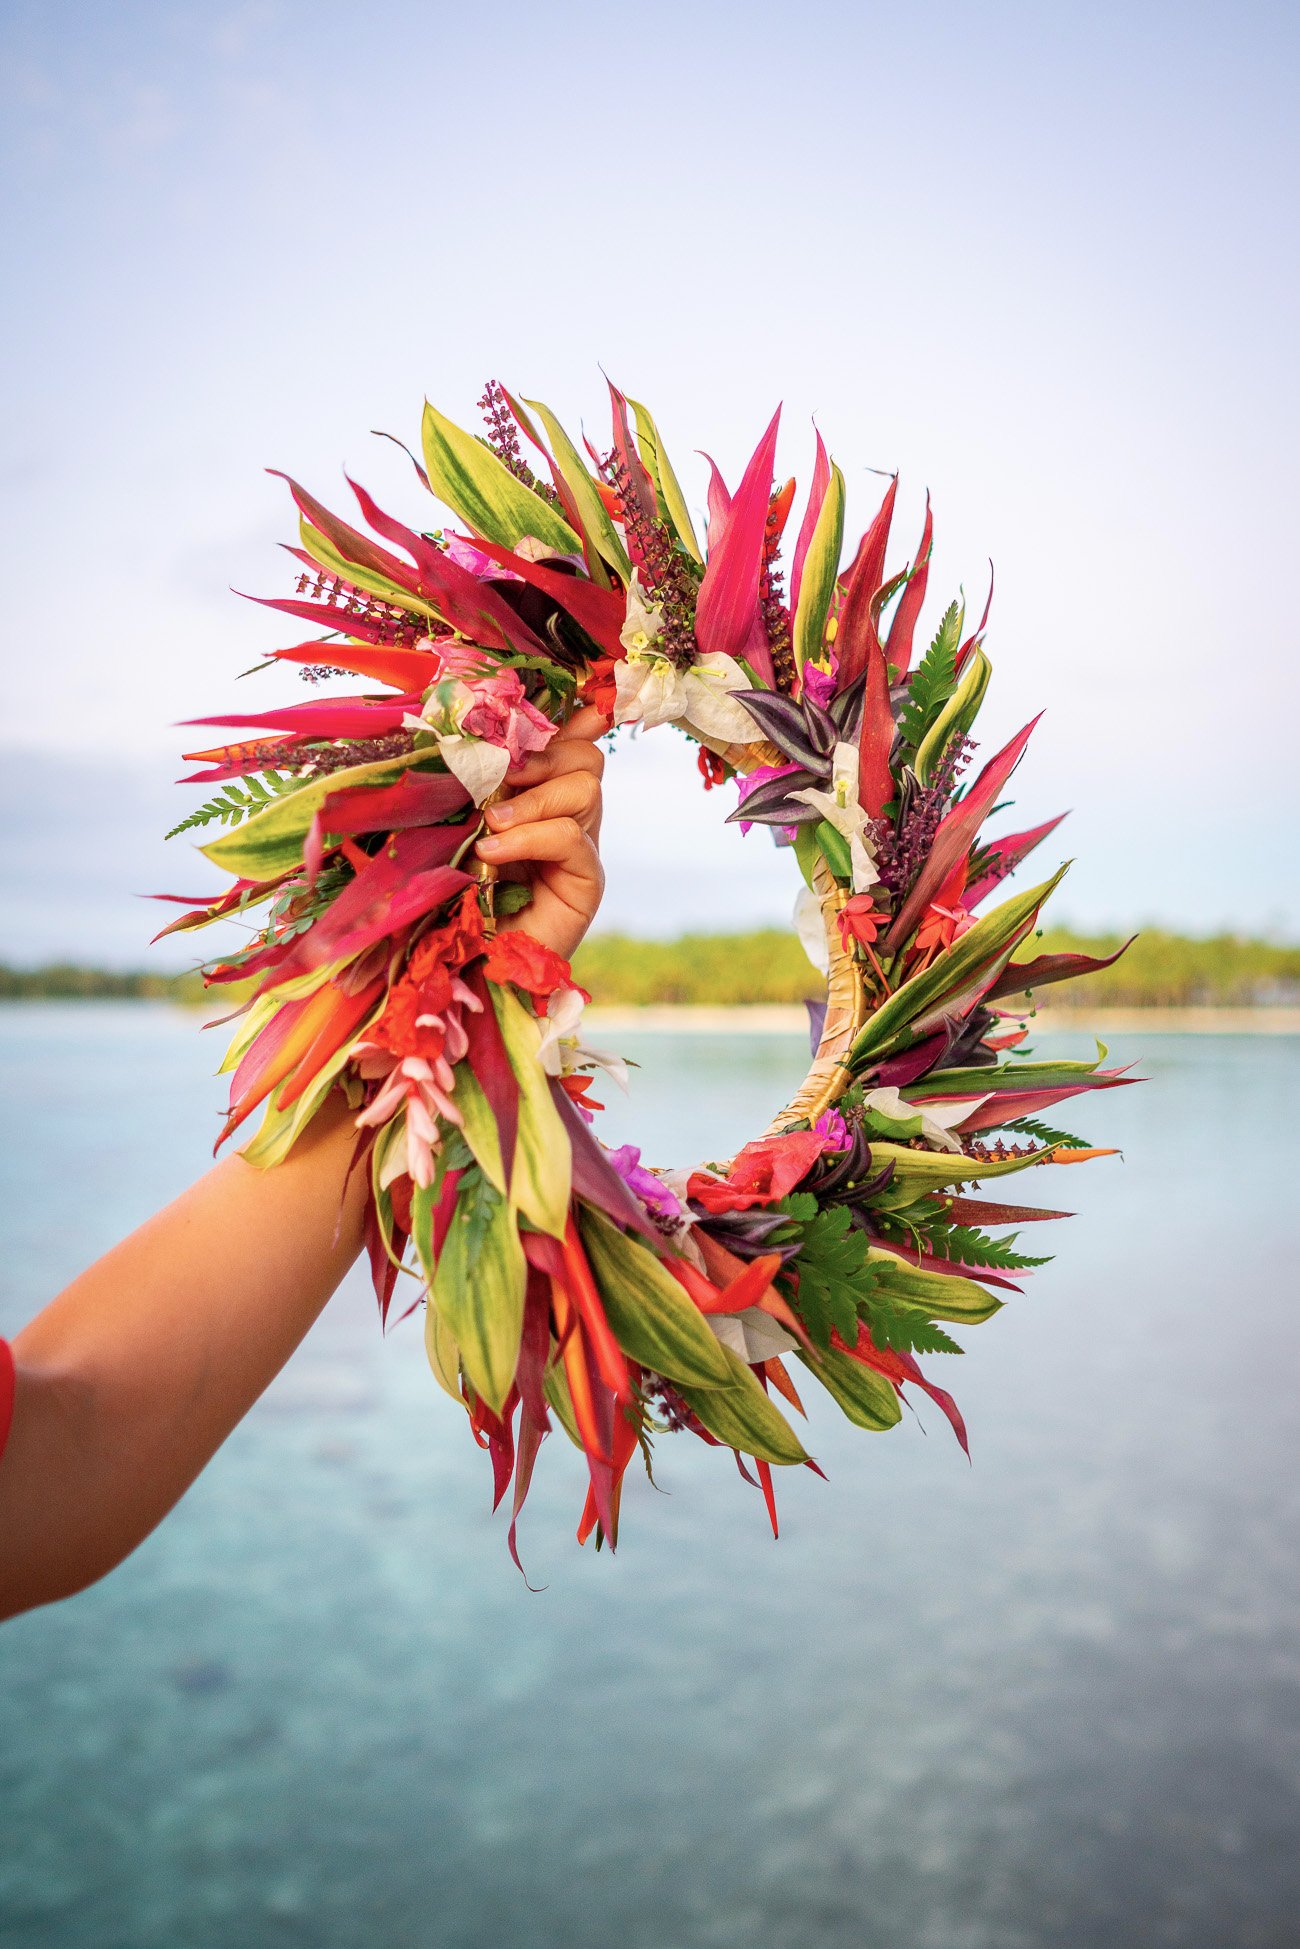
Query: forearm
{"points": [[132, 1378]]}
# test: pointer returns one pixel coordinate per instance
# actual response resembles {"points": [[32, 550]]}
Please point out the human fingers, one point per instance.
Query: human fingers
{"points": [[588, 723], [578, 756], [575, 794]]}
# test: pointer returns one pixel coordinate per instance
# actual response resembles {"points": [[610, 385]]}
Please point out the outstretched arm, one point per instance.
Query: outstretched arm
{"points": [[129, 1381]]}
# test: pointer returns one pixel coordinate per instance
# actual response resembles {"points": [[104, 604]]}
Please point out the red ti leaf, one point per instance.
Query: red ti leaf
{"points": [[727, 615], [350, 542], [898, 647], [1004, 855], [1016, 977], [599, 611], [955, 835], [856, 632]]}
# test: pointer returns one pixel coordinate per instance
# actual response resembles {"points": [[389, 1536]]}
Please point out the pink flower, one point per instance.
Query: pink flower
{"points": [[501, 714], [831, 1127], [750, 782], [653, 1193], [818, 684]]}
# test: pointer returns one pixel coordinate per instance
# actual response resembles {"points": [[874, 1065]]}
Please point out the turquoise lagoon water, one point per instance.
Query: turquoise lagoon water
{"points": [[1049, 1699]]}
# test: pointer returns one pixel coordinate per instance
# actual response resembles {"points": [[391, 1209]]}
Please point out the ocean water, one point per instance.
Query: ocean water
{"points": [[1050, 1698]]}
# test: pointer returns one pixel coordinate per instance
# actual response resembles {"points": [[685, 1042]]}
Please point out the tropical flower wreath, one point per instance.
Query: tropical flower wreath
{"points": [[565, 1282]]}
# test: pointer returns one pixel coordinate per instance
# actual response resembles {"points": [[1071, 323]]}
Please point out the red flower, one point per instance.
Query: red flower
{"points": [[425, 984], [517, 958], [598, 686], [713, 770], [760, 1174], [859, 920]]}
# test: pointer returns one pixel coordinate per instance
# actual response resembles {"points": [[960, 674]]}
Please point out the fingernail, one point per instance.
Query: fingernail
{"points": [[488, 845], [501, 815]]}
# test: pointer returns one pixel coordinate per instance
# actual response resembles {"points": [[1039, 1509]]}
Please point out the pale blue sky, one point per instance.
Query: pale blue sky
{"points": [[1040, 259]]}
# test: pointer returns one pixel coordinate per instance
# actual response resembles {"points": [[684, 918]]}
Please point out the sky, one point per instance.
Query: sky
{"points": [[1038, 259]]}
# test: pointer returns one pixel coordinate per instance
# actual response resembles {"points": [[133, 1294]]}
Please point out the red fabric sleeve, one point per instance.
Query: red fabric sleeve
{"points": [[6, 1391]]}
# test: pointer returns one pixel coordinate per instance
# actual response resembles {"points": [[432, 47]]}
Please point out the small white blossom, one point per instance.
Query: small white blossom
{"points": [[561, 1050], [842, 808]]}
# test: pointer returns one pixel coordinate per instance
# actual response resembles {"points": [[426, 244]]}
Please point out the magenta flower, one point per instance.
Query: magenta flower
{"points": [[654, 1194]]}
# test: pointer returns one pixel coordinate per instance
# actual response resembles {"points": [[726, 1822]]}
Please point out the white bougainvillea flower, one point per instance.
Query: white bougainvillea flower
{"points": [[753, 1334], [650, 689], [644, 621], [842, 808], [938, 1120], [562, 1051]]}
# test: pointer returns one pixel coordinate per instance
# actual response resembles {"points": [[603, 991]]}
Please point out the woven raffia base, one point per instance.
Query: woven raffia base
{"points": [[846, 1000]]}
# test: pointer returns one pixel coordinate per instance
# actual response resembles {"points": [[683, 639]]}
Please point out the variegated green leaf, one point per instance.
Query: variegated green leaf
{"points": [[672, 501], [470, 479], [480, 1127], [555, 1385], [591, 509], [983, 949], [323, 551], [939, 1295], [652, 1318], [541, 1183], [443, 1353], [280, 1129], [272, 840], [957, 715], [478, 1288], [867, 1398], [741, 1415], [821, 566], [915, 1171]]}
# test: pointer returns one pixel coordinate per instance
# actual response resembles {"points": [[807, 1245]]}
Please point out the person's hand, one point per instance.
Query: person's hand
{"points": [[549, 826]]}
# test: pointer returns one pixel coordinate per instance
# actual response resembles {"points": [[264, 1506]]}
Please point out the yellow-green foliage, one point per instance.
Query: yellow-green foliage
{"points": [[1159, 970]]}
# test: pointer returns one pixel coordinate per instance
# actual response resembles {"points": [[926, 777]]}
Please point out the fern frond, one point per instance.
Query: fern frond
{"points": [[934, 679], [238, 799], [1043, 1133]]}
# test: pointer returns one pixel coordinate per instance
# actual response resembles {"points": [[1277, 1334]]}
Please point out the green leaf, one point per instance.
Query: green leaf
{"points": [[821, 566], [866, 1397], [591, 509], [834, 849], [939, 1295], [322, 550], [280, 1128], [834, 1272], [478, 1287], [542, 1179], [484, 493], [934, 679], [480, 1127], [653, 1320], [555, 1386], [442, 1351], [983, 949], [1046, 1133], [956, 716], [672, 502], [907, 1332], [239, 799], [936, 1170], [271, 841], [741, 1415]]}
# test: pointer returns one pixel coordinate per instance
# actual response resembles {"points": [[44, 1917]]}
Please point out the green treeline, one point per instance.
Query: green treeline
{"points": [[1160, 970]]}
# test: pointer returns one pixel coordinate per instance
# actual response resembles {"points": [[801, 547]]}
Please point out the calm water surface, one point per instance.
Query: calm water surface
{"points": [[1050, 1699]]}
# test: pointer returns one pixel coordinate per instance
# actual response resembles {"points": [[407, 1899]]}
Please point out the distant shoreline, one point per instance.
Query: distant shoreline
{"points": [[782, 1019]]}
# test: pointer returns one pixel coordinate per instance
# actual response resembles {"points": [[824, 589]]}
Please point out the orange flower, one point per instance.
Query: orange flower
{"points": [[942, 926], [517, 958], [860, 921]]}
